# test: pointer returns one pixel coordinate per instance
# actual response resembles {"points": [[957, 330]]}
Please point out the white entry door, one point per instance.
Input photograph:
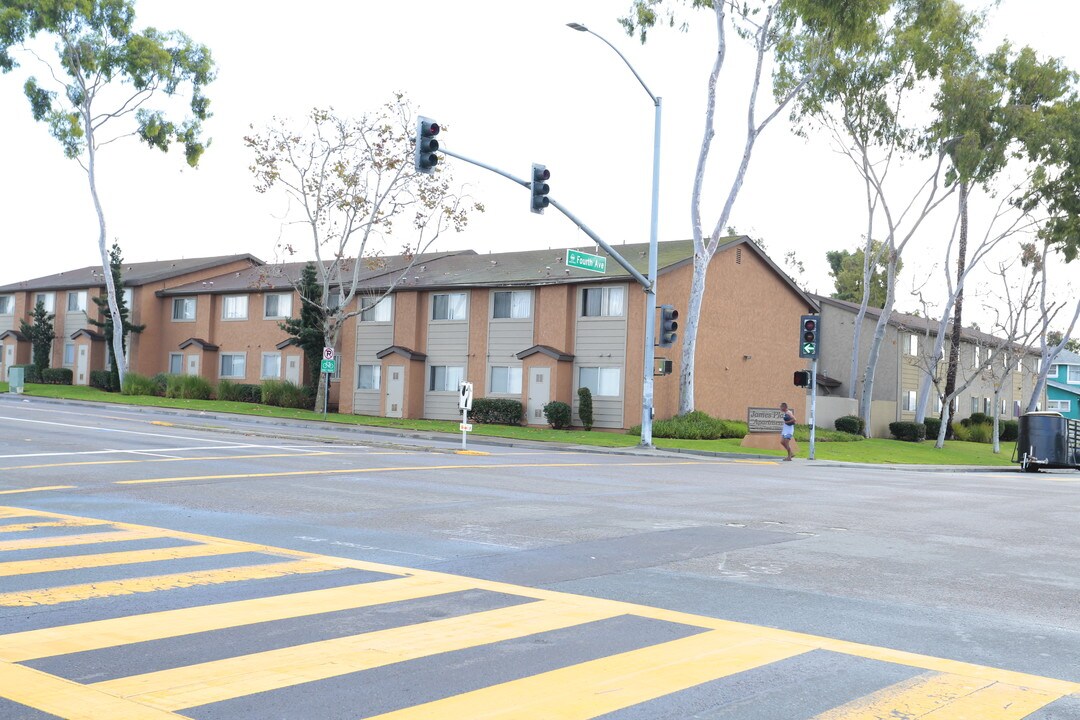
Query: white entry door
{"points": [[192, 364], [9, 358], [292, 369], [539, 395], [80, 365], [395, 390]]}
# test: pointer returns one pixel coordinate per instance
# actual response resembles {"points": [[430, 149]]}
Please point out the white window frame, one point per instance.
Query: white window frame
{"points": [[451, 381], [519, 308], [912, 344], [370, 380], [1073, 375], [1062, 406], [69, 361], [509, 378], [610, 296], [221, 365], [976, 351], [911, 398], [282, 299], [974, 404], [380, 312], [7, 304], [263, 375], [457, 308], [184, 303], [49, 300], [605, 378], [176, 357], [80, 301], [235, 313]]}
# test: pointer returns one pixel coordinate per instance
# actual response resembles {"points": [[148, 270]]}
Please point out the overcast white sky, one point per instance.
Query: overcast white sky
{"points": [[512, 84]]}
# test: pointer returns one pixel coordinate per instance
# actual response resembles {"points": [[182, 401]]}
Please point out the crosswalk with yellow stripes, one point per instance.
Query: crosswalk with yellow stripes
{"points": [[124, 662]]}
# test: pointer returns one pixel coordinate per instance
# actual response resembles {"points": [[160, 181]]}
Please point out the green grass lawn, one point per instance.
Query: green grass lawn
{"points": [[876, 450]]}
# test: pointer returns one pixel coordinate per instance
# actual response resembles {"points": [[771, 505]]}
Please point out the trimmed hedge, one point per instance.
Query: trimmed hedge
{"points": [[57, 376], [933, 426], [908, 431], [585, 407], [851, 424], [558, 414], [1009, 430], [101, 379], [977, 418], [496, 411]]}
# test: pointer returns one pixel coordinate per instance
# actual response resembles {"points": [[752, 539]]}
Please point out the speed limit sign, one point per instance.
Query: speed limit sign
{"points": [[328, 353]]}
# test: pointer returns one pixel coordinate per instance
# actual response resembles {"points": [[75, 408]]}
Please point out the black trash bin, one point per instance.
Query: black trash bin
{"points": [[1047, 440]]}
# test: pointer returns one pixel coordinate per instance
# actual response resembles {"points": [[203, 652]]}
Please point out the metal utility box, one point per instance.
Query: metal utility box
{"points": [[1047, 440], [15, 379]]}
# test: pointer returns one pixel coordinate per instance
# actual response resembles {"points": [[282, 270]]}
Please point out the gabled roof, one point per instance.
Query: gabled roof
{"points": [[92, 334], [402, 351], [134, 274], [545, 350], [14, 334], [200, 342], [1067, 357]]}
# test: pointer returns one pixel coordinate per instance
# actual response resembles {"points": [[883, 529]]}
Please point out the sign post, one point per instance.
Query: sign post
{"points": [[328, 367], [465, 405]]}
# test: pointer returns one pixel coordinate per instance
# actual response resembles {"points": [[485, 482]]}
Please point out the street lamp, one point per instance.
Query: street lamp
{"points": [[650, 292]]}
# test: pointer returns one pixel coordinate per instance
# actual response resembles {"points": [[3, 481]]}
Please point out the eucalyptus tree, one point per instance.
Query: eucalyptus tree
{"points": [[350, 185], [102, 78], [779, 32], [850, 277]]}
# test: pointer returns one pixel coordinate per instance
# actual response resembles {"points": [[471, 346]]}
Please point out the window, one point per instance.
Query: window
{"points": [[368, 377], [234, 307], [602, 302], [974, 404], [233, 365], [910, 400], [1062, 406], [271, 366], [47, 299], [7, 305], [1003, 406], [69, 353], [975, 353], [506, 380], [445, 378], [448, 306], [277, 305], [176, 363], [1074, 374], [600, 380], [76, 301], [379, 312], [912, 344], [938, 404], [513, 304], [183, 308], [129, 298]]}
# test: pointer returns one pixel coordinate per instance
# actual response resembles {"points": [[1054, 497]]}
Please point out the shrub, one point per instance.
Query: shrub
{"points": [[188, 387], [239, 392], [282, 393], [496, 411], [977, 418], [57, 376], [1009, 430], [31, 374], [851, 424], [908, 431], [933, 426], [135, 384], [695, 425], [960, 432], [980, 433], [585, 407], [101, 379], [558, 414], [161, 382]]}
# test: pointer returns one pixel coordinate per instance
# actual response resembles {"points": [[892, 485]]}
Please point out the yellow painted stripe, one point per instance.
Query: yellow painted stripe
{"points": [[42, 488], [609, 684], [140, 461], [47, 642], [127, 557], [132, 586], [67, 699], [71, 540], [945, 697], [413, 468], [248, 674], [24, 527]]}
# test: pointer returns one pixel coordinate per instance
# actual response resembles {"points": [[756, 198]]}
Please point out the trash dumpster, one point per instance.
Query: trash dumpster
{"points": [[1047, 440], [15, 379]]}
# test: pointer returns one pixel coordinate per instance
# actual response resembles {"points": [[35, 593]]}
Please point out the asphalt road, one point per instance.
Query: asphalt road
{"points": [[164, 564]]}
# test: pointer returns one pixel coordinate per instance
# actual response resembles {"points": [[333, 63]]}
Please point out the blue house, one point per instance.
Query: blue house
{"points": [[1063, 385]]}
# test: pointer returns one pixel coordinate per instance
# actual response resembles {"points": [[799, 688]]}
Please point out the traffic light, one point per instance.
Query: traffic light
{"points": [[668, 325], [809, 336], [426, 145], [540, 188], [802, 378]]}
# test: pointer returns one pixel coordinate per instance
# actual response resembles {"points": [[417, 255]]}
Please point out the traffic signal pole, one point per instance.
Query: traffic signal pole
{"points": [[813, 404]]}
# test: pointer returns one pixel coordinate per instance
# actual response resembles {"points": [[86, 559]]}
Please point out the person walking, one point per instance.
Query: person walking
{"points": [[787, 432]]}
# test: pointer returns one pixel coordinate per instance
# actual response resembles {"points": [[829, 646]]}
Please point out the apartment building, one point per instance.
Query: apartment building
{"points": [[518, 325], [1063, 385]]}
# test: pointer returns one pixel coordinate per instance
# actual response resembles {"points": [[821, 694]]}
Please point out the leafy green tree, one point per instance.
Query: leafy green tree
{"points": [[1054, 337], [846, 270], [100, 85], [307, 330], [41, 334], [116, 261], [803, 36]]}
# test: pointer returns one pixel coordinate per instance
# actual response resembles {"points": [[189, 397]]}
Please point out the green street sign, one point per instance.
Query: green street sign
{"points": [[585, 261], [809, 349], [329, 366]]}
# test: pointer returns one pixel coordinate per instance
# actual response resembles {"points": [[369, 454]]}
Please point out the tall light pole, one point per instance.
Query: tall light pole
{"points": [[650, 293]]}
